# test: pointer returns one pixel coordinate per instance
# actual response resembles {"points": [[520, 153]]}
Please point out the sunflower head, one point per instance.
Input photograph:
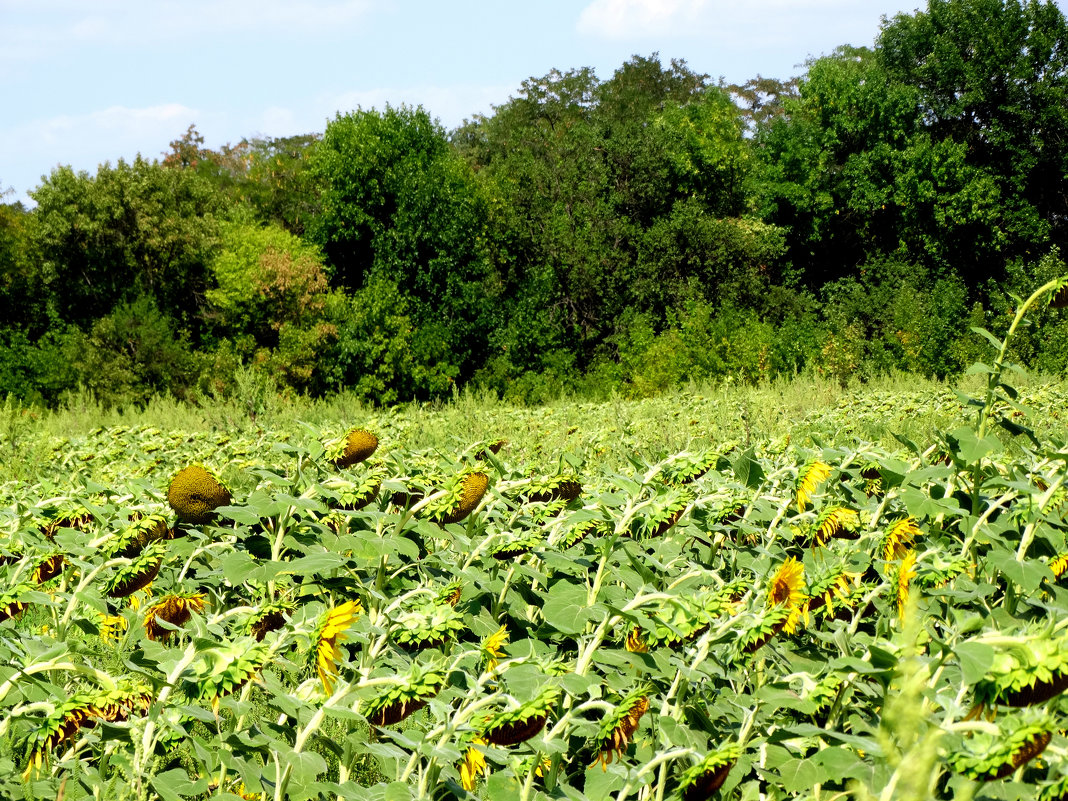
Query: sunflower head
{"points": [[408, 695], [786, 590], [618, 727], [809, 477], [899, 538], [175, 609], [331, 630], [492, 647], [473, 764], [195, 493], [513, 726], [708, 775], [463, 500], [357, 446], [906, 572], [836, 521], [989, 756]]}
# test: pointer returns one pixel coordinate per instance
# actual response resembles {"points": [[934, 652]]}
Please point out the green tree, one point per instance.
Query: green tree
{"points": [[134, 229], [992, 77], [398, 203]]}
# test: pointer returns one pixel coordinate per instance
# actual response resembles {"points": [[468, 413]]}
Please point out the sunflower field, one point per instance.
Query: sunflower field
{"points": [[331, 612]]}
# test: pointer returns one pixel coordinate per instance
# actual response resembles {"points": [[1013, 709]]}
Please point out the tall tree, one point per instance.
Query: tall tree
{"points": [[133, 229], [397, 202]]}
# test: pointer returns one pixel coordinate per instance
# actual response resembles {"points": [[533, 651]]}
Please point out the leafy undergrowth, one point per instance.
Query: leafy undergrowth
{"points": [[775, 617]]}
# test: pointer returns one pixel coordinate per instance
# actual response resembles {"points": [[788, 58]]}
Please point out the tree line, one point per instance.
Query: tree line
{"points": [[589, 235]]}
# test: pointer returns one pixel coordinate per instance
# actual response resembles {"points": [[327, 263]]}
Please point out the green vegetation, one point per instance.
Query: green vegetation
{"points": [[593, 235], [786, 590]]}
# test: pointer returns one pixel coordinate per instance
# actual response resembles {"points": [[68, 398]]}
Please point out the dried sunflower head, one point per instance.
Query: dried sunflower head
{"points": [[174, 608], [462, 500], [618, 727]]}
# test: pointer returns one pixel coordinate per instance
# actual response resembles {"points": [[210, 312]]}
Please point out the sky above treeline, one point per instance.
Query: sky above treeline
{"points": [[88, 81]]}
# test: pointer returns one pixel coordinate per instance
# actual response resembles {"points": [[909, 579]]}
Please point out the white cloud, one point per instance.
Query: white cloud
{"points": [[624, 19]]}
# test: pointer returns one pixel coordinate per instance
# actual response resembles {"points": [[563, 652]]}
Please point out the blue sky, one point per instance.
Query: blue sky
{"points": [[87, 81]]}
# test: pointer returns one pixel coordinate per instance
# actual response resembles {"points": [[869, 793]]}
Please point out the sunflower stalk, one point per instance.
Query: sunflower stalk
{"points": [[994, 382]]}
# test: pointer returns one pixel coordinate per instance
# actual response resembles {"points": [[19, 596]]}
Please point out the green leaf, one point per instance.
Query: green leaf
{"points": [[975, 660], [747, 469], [565, 607], [993, 340]]}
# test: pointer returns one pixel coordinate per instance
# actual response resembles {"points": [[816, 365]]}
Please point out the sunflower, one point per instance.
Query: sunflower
{"points": [[492, 647], [1027, 673], [636, 641], [823, 593], [473, 764], [269, 617], [176, 609], [513, 726], [708, 775], [406, 696], [906, 572], [990, 757], [898, 539], [786, 588], [357, 446], [617, 727], [195, 493], [330, 632], [809, 477], [838, 521], [470, 490], [1059, 564]]}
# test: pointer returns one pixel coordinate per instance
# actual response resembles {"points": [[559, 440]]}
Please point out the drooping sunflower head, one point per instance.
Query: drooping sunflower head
{"points": [[1029, 672], [809, 477], [513, 726], [703, 779], [899, 538], [1059, 564], [175, 609], [407, 695], [492, 647], [357, 446], [836, 521], [472, 487], [331, 630], [989, 756], [195, 493], [906, 572], [427, 626], [267, 618], [618, 726], [223, 669], [136, 573], [786, 589]]}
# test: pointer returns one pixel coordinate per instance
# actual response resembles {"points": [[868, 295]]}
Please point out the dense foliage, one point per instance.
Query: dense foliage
{"points": [[337, 612], [590, 235]]}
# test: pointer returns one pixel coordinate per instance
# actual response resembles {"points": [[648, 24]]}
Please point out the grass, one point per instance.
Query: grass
{"points": [[806, 409]]}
